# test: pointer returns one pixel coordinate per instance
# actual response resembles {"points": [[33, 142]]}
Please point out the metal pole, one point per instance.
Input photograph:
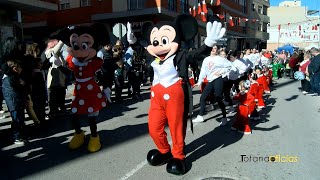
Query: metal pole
{"points": [[318, 31], [278, 38], [120, 31]]}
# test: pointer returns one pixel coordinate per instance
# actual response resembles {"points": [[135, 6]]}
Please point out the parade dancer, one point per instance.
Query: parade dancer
{"points": [[246, 102], [88, 99], [170, 87], [263, 86]]}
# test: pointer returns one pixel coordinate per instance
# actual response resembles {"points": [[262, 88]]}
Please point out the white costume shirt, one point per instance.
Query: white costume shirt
{"points": [[240, 70], [166, 73], [264, 61], [213, 65], [255, 59]]}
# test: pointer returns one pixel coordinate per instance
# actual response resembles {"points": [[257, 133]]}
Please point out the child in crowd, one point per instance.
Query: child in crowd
{"points": [[254, 90], [246, 101], [263, 86], [16, 98], [119, 80], [39, 91]]}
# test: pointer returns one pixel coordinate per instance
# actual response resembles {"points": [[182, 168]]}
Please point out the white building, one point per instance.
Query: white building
{"points": [[291, 24]]}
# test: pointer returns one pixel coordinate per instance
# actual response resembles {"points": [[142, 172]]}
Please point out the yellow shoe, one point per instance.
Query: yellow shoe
{"points": [[77, 141], [94, 144]]}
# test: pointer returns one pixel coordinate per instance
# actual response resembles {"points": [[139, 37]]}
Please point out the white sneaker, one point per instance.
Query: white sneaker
{"points": [[2, 111], [246, 133], [224, 122], [304, 92], [231, 110], [210, 107], [198, 119]]}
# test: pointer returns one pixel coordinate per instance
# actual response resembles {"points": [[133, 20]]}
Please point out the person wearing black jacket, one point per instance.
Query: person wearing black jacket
{"points": [[314, 72], [16, 97]]}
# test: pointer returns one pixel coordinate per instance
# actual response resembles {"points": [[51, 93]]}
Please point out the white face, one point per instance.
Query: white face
{"points": [[162, 44]]}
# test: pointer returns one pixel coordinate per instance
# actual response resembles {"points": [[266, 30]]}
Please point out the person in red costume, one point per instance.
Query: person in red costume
{"points": [[246, 101], [263, 86], [83, 42], [171, 91], [254, 90]]}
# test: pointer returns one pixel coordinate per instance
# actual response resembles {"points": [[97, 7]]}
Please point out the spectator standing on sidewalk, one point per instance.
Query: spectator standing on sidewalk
{"points": [[305, 83], [15, 97], [314, 72]]}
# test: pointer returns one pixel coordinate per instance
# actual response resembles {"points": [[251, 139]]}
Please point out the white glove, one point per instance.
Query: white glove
{"points": [[198, 84], [130, 36], [214, 33], [107, 93], [55, 50], [55, 60]]}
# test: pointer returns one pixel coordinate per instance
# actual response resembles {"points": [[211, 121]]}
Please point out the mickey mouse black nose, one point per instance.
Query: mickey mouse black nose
{"points": [[155, 43], [76, 47]]}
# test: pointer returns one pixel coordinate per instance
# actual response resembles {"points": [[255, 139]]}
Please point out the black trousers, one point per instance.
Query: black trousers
{"points": [[305, 85], [215, 86], [57, 99], [134, 78], [227, 87]]}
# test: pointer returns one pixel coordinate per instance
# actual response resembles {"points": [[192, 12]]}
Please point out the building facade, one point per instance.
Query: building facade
{"points": [[257, 27], [290, 23], [12, 13], [112, 12]]}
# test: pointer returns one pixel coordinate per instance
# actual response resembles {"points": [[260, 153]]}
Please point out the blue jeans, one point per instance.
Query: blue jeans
{"points": [[315, 83], [17, 124]]}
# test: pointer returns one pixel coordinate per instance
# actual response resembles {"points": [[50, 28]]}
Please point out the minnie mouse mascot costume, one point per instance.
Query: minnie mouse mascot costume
{"points": [[170, 91], [83, 42]]}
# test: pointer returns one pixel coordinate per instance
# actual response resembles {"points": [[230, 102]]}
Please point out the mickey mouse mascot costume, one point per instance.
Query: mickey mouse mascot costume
{"points": [[170, 91], [83, 42]]}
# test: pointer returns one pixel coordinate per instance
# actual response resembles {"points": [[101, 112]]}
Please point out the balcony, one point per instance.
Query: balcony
{"points": [[30, 6], [262, 35], [264, 18]]}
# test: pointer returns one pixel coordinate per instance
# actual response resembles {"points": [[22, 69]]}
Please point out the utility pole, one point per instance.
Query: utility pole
{"points": [[279, 27]]}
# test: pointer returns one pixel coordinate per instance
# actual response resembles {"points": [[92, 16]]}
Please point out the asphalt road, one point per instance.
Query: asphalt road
{"points": [[289, 131]]}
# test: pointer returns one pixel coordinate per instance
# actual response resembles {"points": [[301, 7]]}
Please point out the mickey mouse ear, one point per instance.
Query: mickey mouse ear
{"points": [[188, 26]]}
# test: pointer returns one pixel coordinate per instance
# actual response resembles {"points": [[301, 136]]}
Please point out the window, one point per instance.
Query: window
{"points": [[172, 5], [136, 4], [265, 27], [253, 7], [184, 6], [244, 6], [259, 27], [84, 3], [64, 4], [260, 9], [265, 10]]}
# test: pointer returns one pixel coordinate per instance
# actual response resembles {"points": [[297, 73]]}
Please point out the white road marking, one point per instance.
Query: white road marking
{"points": [[142, 164]]}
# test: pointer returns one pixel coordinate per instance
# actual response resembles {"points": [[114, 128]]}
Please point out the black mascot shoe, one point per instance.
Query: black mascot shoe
{"points": [[176, 166], [156, 158]]}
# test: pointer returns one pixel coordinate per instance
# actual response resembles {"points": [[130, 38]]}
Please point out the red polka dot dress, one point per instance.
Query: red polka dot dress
{"points": [[87, 96]]}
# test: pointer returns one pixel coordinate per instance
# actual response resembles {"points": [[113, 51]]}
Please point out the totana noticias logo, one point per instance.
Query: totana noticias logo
{"points": [[273, 158]]}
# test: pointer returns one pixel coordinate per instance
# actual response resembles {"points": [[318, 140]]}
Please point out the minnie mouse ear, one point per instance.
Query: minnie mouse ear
{"points": [[102, 34], [61, 34]]}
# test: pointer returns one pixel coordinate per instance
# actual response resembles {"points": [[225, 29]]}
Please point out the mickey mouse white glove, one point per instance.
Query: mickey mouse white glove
{"points": [[54, 50], [214, 33], [130, 36], [55, 60], [107, 92]]}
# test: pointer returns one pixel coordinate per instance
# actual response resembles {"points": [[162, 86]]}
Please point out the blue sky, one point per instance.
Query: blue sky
{"points": [[312, 4]]}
